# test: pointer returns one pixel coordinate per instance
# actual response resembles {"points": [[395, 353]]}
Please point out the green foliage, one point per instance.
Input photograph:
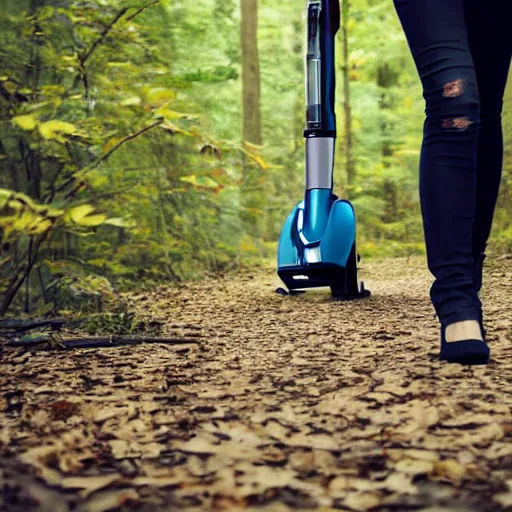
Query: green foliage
{"points": [[78, 293], [120, 143], [104, 162], [118, 323]]}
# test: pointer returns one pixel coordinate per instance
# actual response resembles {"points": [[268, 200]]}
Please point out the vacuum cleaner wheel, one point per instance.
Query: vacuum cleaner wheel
{"points": [[347, 285]]}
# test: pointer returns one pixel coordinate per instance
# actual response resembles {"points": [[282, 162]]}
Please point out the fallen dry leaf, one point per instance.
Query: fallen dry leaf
{"points": [[89, 484], [362, 500], [449, 470], [109, 500], [414, 466]]}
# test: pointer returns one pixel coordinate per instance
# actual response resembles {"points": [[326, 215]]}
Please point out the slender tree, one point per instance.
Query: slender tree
{"points": [[250, 72], [387, 78]]}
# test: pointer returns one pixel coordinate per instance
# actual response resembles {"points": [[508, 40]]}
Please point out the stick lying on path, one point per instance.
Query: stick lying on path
{"points": [[26, 325], [103, 341]]}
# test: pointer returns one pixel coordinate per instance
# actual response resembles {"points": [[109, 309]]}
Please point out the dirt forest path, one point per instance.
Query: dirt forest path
{"points": [[285, 403]]}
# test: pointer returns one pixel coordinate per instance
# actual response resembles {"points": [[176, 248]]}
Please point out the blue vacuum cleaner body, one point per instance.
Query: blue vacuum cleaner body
{"points": [[317, 246]]}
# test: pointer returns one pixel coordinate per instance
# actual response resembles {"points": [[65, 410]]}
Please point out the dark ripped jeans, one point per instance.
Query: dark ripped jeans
{"points": [[462, 51]]}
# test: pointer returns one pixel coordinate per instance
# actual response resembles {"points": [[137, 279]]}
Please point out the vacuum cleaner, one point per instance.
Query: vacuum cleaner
{"points": [[317, 246]]}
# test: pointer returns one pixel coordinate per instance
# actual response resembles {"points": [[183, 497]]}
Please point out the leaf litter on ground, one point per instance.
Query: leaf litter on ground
{"points": [[287, 402]]}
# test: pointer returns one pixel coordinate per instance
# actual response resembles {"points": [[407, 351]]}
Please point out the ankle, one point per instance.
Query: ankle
{"points": [[464, 330]]}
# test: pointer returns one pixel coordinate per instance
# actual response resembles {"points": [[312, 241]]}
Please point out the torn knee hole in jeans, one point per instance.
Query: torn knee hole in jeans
{"points": [[453, 89], [460, 123]]}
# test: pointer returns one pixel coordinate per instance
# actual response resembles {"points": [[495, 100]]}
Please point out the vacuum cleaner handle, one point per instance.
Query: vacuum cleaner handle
{"points": [[323, 21], [334, 16]]}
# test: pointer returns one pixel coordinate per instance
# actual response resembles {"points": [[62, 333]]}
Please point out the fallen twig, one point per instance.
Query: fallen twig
{"points": [[107, 341], [17, 325]]}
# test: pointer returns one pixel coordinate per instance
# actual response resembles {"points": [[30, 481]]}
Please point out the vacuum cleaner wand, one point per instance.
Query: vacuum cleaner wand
{"points": [[323, 21]]}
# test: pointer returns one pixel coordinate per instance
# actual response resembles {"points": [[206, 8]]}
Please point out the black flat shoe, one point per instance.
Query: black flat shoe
{"points": [[467, 352]]}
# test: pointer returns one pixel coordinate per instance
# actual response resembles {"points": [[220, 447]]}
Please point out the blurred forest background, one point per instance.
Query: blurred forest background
{"points": [[148, 141]]}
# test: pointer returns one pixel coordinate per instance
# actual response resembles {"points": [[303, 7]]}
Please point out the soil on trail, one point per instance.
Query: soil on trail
{"points": [[285, 403]]}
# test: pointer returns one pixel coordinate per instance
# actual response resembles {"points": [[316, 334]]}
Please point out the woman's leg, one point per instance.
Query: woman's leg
{"points": [[437, 36], [490, 42]]}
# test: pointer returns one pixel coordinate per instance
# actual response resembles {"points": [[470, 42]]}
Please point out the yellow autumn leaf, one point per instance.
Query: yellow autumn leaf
{"points": [[170, 114], [133, 101], [27, 122], [121, 64], [81, 215], [93, 220], [79, 212], [111, 143], [159, 96], [172, 129], [121, 222], [23, 200], [53, 129], [39, 226], [200, 181], [11, 87], [260, 162], [52, 90]]}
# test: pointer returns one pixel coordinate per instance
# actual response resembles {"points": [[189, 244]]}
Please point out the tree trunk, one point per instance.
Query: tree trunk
{"points": [[250, 72], [386, 78]]}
